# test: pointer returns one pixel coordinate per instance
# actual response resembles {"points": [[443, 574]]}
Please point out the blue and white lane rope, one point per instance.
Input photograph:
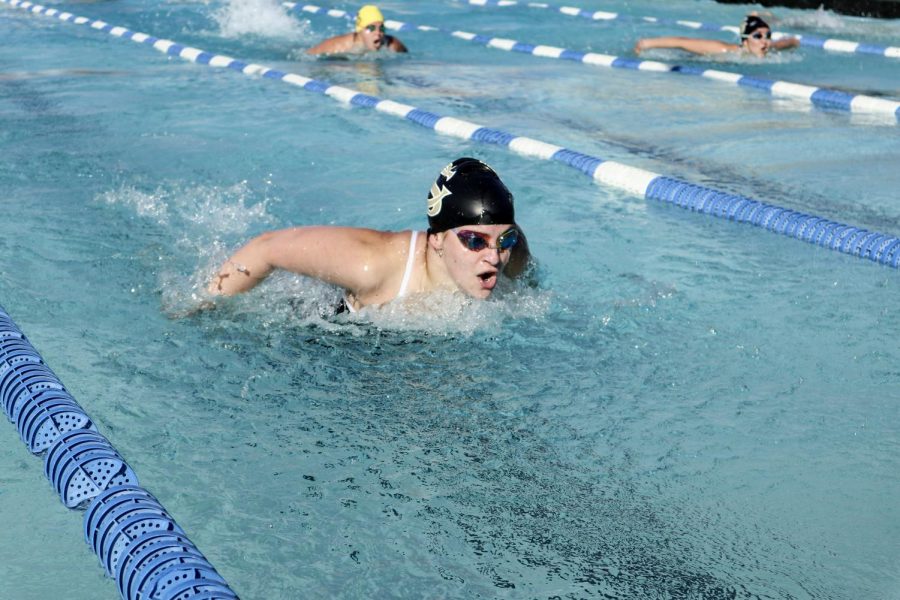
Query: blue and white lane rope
{"points": [[132, 534], [833, 45], [877, 247], [822, 97]]}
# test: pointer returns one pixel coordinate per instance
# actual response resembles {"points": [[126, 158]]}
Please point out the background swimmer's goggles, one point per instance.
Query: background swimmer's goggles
{"points": [[476, 242], [372, 28], [758, 36]]}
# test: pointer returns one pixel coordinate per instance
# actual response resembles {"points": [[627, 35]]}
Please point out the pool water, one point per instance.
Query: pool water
{"points": [[684, 407]]}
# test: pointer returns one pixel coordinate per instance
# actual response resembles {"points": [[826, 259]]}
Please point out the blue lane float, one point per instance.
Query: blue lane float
{"points": [[877, 247], [822, 97], [830, 44], [137, 541]]}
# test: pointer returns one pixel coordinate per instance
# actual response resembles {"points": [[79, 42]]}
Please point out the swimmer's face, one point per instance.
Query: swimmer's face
{"points": [[373, 36], [759, 42], [476, 271]]}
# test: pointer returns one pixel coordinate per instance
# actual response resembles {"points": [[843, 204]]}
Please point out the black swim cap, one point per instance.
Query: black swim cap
{"points": [[468, 192], [752, 23]]}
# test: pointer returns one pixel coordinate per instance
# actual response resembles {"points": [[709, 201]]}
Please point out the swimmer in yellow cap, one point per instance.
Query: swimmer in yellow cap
{"points": [[369, 36]]}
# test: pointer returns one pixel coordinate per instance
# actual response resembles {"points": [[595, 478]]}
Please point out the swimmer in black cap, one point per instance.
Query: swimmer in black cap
{"points": [[756, 39], [472, 240]]}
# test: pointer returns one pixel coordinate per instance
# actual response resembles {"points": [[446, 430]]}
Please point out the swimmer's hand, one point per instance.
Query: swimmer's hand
{"points": [[190, 311]]}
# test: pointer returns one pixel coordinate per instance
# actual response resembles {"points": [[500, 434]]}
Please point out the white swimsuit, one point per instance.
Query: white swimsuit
{"points": [[410, 262]]}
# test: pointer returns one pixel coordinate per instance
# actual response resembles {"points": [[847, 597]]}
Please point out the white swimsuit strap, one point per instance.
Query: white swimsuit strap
{"points": [[409, 264]]}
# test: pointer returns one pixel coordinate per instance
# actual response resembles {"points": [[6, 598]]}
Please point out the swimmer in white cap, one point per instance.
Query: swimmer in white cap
{"points": [[367, 36], [472, 240], [756, 39]]}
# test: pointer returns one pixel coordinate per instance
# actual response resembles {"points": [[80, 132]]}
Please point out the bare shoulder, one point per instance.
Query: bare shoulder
{"points": [[335, 45], [382, 250], [396, 45], [385, 257]]}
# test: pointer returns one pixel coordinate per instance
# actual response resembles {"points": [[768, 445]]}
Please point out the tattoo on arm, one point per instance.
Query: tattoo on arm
{"points": [[237, 267]]}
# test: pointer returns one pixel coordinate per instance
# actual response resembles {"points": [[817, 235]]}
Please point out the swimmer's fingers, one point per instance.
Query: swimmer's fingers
{"points": [[202, 306]]}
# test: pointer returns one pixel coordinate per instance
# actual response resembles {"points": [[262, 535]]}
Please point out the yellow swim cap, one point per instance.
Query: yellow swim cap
{"points": [[366, 15]]}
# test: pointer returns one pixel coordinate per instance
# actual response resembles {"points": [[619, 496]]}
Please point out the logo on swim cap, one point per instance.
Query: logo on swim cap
{"points": [[751, 23], [468, 192], [448, 172], [436, 198]]}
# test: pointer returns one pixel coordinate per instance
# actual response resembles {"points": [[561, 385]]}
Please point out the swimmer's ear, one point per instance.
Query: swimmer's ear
{"points": [[436, 240]]}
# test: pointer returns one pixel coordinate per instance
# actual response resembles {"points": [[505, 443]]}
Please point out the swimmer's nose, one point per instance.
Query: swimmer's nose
{"points": [[492, 256]]}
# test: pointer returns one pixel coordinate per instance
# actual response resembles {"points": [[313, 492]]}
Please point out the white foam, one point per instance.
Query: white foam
{"points": [[452, 313], [268, 18]]}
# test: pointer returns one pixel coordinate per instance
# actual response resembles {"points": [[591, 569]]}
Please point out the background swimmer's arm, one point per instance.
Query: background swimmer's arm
{"points": [[518, 258], [345, 256], [396, 45], [785, 43], [695, 45]]}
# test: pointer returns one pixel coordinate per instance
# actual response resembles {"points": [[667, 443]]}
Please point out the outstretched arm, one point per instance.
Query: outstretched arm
{"points": [[348, 257], [785, 43], [695, 45]]}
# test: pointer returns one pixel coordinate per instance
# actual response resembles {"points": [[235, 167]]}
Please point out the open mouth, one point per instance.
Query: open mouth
{"points": [[488, 279]]}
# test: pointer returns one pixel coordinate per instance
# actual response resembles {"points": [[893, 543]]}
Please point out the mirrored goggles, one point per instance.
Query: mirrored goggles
{"points": [[477, 242]]}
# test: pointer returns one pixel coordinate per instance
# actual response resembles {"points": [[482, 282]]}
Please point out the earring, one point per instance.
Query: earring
{"points": [[440, 252]]}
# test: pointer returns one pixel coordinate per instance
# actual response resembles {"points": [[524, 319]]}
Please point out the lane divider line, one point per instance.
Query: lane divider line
{"points": [[874, 246], [124, 524], [821, 97], [830, 44]]}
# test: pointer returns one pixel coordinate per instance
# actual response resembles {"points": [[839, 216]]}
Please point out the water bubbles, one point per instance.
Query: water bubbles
{"points": [[257, 17]]}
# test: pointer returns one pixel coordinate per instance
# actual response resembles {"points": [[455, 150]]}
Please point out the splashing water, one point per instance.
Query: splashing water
{"points": [[196, 219], [264, 18], [825, 21], [204, 222]]}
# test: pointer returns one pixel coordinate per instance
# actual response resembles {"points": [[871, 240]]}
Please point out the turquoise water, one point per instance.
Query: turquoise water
{"points": [[685, 407]]}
